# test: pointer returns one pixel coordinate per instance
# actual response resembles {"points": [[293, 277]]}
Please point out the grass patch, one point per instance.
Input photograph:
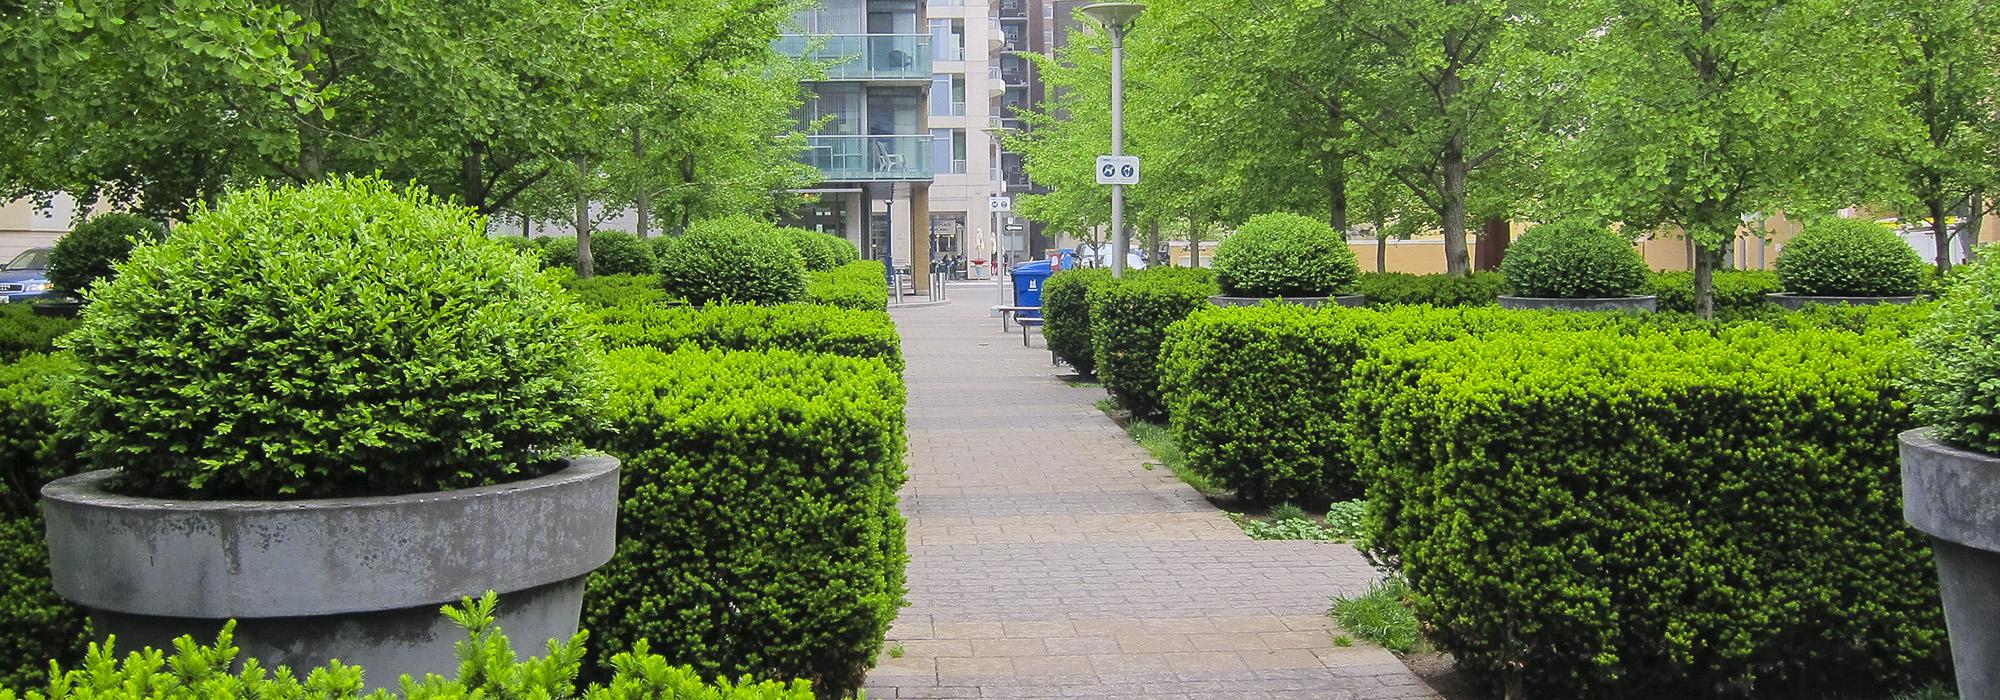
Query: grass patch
{"points": [[1382, 616], [1934, 691], [1342, 523], [1155, 438]]}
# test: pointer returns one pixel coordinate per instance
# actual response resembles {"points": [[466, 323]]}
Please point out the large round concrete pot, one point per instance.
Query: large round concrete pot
{"points": [[1646, 303], [1796, 302], [1954, 496], [1353, 301], [354, 579]]}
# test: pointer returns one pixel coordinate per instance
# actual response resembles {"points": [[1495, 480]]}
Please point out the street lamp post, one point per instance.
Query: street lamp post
{"points": [[999, 190], [1117, 19]]}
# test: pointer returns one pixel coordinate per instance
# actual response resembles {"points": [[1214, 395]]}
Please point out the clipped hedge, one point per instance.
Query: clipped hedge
{"points": [[1738, 293], [758, 528], [1955, 379], [488, 667], [339, 339], [1128, 322], [1851, 258], [1284, 255], [1405, 289], [88, 253], [40, 625], [797, 327], [1573, 260], [820, 251], [1654, 514], [1066, 316], [862, 285], [619, 290], [32, 453], [735, 259], [22, 332]]}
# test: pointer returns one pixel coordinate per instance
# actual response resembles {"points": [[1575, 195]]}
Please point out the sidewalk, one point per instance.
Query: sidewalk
{"points": [[1047, 561]]}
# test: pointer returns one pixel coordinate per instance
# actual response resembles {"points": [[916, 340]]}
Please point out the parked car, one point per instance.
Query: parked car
{"points": [[26, 277]]}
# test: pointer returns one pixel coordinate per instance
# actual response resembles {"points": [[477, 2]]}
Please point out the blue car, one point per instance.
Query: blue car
{"points": [[26, 277]]}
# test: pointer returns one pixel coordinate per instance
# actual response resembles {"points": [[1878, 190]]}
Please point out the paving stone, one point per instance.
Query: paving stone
{"points": [[1048, 561]]}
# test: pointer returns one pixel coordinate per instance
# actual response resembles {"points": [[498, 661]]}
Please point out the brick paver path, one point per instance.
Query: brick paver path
{"points": [[1047, 561]]}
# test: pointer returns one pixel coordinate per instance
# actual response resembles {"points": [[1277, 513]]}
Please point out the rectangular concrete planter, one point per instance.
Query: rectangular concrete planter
{"points": [[1954, 496], [354, 579]]}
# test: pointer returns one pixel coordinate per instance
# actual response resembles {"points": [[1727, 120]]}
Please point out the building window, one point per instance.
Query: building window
{"points": [[948, 152], [957, 152], [948, 39], [948, 233]]}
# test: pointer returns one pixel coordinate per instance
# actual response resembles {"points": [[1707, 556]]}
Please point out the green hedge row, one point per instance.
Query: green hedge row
{"points": [[758, 529], [1738, 293], [22, 332], [40, 625], [1653, 514], [862, 285], [1402, 288], [1128, 322], [796, 327], [618, 290], [488, 668], [1066, 316]]}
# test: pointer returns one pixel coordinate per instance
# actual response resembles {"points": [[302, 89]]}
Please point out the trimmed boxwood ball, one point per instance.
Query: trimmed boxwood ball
{"points": [[821, 252], [1954, 382], [611, 253], [1573, 260], [1284, 255], [88, 254], [1850, 258], [736, 259], [341, 339]]}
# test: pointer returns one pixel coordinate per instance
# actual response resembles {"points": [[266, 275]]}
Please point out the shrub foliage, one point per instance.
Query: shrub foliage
{"points": [[339, 339], [1573, 260], [1955, 379], [1738, 293], [1653, 514], [1851, 257], [1284, 255], [759, 531], [1066, 316], [1403, 289], [803, 328], [1128, 322], [88, 253], [820, 251], [22, 331], [861, 285], [737, 259]]}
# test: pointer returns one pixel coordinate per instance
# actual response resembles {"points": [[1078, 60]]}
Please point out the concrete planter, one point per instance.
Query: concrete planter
{"points": [[1954, 496], [1646, 303], [357, 579], [1353, 301], [1795, 302], [58, 309]]}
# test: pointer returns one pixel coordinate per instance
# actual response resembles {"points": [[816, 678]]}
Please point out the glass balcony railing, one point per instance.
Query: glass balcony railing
{"points": [[866, 158], [864, 56]]}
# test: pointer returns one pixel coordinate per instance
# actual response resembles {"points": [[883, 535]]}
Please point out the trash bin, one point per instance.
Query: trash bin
{"points": [[1028, 279]]}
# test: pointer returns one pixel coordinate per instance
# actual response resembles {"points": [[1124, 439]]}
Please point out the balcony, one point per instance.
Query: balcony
{"points": [[870, 158], [880, 57]]}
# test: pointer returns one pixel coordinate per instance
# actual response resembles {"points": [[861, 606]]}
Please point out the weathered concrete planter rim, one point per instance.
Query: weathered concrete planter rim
{"points": [[1950, 492], [1796, 301], [259, 559], [1631, 303], [1347, 300]]}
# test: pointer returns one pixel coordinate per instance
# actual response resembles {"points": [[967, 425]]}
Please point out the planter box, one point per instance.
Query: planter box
{"points": [[58, 309], [1352, 301], [1795, 302], [1954, 496], [354, 579], [1646, 303]]}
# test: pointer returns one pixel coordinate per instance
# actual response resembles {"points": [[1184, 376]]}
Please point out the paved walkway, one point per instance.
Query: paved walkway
{"points": [[1047, 562]]}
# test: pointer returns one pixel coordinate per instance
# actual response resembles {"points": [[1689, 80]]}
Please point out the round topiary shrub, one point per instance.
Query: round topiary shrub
{"points": [[1284, 255], [88, 254], [737, 259], [820, 251], [1955, 380], [620, 253], [1850, 258], [1573, 260], [341, 339], [845, 252]]}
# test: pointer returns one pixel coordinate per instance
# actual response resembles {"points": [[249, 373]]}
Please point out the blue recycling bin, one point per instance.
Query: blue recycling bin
{"points": [[1028, 279]]}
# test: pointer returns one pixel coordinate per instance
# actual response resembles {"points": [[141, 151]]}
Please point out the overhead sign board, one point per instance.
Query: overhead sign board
{"points": [[1117, 170]]}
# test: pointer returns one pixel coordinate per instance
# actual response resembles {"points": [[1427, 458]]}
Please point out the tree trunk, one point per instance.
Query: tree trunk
{"points": [[585, 265], [1381, 241], [1940, 233], [642, 197], [1153, 244], [471, 176], [524, 227], [1975, 225], [1706, 259], [1451, 216], [1336, 194], [1194, 240]]}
